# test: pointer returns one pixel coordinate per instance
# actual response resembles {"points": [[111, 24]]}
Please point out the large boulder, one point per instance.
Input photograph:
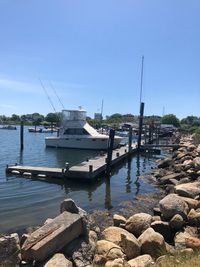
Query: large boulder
{"points": [[9, 250], [114, 234], [58, 260], [152, 243], [188, 190], [172, 205], [138, 223], [130, 245], [109, 250], [141, 261]]}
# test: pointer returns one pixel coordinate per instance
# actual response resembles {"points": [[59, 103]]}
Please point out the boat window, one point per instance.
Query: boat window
{"points": [[93, 139], [103, 139], [78, 139], [76, 131]]}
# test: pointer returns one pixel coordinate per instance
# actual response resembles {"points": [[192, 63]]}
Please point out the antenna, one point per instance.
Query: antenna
{"points": [[56, 94], [47, 96], [163, 112], [141, 82]]}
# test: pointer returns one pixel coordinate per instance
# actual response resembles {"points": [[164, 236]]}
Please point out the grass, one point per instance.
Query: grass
{"points": [[182, 260]]}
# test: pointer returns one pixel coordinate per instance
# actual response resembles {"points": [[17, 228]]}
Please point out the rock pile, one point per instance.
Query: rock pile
{"points": [[141, 240]]}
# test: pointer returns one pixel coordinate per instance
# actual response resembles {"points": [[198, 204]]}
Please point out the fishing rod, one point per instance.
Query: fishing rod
{"points": [[53, 88], [51, 102]]}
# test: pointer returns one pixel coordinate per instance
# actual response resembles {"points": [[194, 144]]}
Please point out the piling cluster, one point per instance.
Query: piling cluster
{"points": [[142, 240]]}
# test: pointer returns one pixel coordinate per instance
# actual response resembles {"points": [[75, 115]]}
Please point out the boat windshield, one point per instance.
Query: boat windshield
{"points": [[76, 131], [74, 115]]}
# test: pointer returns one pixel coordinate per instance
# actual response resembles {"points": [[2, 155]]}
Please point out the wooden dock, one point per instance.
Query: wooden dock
{"points": [[88, 169]]}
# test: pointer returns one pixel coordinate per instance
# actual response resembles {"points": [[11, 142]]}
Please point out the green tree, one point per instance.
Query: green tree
{"points": [[170, 119], [52, 117], [15, 118]]}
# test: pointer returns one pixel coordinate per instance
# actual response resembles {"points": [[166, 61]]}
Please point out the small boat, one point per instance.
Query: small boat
{"points": [[75, 132], [35, 130], [8, 127]]}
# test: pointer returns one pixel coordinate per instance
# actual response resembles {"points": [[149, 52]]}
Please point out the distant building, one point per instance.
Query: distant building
{"points": [[98, 116]]}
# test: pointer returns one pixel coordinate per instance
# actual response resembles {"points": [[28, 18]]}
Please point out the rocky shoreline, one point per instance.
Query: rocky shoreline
{"points": [[140, 240]]}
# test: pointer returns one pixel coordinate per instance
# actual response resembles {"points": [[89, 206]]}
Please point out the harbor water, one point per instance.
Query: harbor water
{"points": [[28, 202]]}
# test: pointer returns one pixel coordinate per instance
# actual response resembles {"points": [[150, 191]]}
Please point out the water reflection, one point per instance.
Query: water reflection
{"points": [[108, 204], [128, 177], [137, 183]]}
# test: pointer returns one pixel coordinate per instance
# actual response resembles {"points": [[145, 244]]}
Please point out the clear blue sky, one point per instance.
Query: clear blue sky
{"points": [[91, 50]]}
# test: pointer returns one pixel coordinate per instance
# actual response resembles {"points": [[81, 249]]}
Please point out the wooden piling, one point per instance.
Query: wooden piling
{"points": [[22, 135], [110, 149], [140, 125], [130, 140]]}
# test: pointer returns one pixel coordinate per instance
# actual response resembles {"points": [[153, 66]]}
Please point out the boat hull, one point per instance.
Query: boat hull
{"points": [[80, 143]]}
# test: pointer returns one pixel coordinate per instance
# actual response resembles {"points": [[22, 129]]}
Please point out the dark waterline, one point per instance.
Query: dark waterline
{"points": [[28, 202]]}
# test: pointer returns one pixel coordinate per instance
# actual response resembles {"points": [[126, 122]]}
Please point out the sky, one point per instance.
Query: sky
{"points": [[89, 50]]}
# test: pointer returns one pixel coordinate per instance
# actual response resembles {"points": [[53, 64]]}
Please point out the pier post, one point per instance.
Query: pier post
{"points": [[130, 140], [145, 135], [140, 125], [110, 148], [22, 135]]}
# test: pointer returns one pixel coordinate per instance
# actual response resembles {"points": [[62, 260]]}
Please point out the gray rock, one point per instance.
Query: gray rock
{"points": [[188, 190], [141, 261], [138, 223], [109, 250], [130, 246], [117, 263], [165, 163], [52, 237], [152, 243], [166, 179], [69, 205], [81, 251], [184, 180], [180, 239], [172, 205], [114, 234], [58, 260], [10, 250]]}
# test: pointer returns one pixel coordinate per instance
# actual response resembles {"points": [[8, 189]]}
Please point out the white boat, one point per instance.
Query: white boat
{"points": [[75, 132], [8, 127], [35, 130]]}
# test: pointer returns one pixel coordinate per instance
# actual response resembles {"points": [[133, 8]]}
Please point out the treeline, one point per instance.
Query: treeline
{"points": [[31, 119], [114, 119]]}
